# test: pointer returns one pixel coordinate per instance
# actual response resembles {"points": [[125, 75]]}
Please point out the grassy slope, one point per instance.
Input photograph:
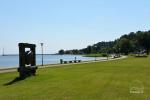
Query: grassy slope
{"points": [[96, 81], [94, 55]]}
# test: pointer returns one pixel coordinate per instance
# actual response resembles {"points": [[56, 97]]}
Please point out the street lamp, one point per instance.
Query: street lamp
{"points": [[95, 51], [42, 52]]}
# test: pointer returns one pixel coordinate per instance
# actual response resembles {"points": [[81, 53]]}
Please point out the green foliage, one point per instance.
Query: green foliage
{"points": [[124, 45], [92, 55], [144, 40], [61, 51], [104, 55], [128, 43], [96, 55]]}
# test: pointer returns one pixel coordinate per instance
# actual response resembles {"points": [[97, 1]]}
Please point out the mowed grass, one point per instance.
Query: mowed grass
{"points": [[110, 80], [96, 55]]}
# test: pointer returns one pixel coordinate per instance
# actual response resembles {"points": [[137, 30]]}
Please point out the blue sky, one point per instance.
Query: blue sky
{"points": [[69, 24]]}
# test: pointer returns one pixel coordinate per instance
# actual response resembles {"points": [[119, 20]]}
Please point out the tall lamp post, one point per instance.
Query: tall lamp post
{"points": [[95, 54], [3, 52], [42, 52]]}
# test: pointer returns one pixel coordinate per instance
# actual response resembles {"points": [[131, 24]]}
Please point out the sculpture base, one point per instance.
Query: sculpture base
{"points": [[27, 71]]}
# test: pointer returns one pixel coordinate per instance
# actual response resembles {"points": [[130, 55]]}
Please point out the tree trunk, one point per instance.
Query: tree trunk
{"points": [[147, 51]]}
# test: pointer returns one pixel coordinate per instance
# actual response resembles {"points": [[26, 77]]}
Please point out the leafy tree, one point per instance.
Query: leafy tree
{"points": [[144, 40], [128, 43], [124, 46], [75, 51], [61, 51], [89, 49]]}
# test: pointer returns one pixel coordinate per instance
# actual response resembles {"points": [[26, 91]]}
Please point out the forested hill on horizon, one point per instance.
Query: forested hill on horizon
{"points": [[129, 43]]}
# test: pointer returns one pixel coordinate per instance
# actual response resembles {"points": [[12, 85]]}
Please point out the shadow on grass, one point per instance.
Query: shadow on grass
{"points": [[17, 79]]}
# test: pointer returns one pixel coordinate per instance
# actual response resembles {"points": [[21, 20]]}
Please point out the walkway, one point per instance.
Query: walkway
{"points": [[54, 65]]}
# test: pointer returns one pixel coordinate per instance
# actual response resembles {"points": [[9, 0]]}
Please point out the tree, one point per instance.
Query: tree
{"points": [[61, 51], [75, 51], [89, 49], [124, 46], [144, 40], [128, 43]]}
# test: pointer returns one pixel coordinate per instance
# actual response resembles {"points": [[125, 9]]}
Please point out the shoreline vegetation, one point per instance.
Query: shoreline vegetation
{"points": [[96, 55], [134, 42]]}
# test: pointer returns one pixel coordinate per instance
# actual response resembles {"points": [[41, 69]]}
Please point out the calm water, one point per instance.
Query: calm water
{"points": [[13, 61]]}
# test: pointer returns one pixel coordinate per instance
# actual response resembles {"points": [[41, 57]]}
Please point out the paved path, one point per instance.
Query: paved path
{"points": [[6, 70]]}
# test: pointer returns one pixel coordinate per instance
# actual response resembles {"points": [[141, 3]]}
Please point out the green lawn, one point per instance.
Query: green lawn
{"points": [[95, 55], [110, 80]]}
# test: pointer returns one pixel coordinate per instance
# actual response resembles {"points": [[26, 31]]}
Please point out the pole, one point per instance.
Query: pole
{"points": [[42, 52], [3, 52]]}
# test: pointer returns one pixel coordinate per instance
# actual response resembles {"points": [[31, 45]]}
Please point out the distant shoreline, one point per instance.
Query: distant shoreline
{"points": [[18, 54], [12, 60], [36, 54], [13, 69]]}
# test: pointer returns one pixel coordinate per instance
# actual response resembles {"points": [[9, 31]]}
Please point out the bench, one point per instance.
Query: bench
{"points": [[72, 61]]}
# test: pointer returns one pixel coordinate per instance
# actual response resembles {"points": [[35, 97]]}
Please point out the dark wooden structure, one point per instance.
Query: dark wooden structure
{"points": [[27, 60], [72, 61]]}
